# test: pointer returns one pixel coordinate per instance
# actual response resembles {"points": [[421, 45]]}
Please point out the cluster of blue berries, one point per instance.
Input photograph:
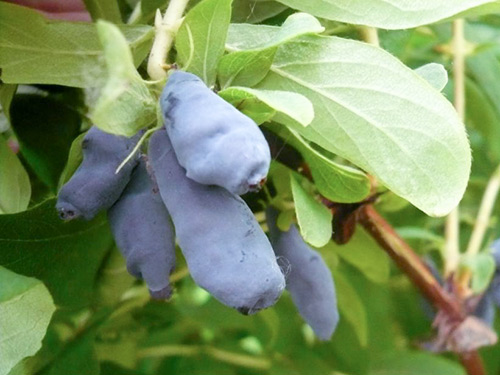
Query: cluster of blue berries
{"points": [[188, 188]]}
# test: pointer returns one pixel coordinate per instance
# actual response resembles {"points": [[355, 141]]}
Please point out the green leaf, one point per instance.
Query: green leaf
{"points": [[104, 9], [382, 13], [125, 105], [314, 219], [15, 188], [483, 106], [334, 181], [414, 363], [78, 358], [75, 158], [380, 115], [435, 74], [148, 9], [482, 115], [61, 53], [26, 308], [390, 202], [45, 128], [6, 94], [256, 46], [201, 37], [242, 37], [294, 107], [113, 279], [482, 267], [352, 308], [65, 256], [365, 254], [255, 11]]}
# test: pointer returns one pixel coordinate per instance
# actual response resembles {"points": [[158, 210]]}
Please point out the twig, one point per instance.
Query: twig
{"points": [[370, 35], [484, 214], [237, 359], [481, 224], [166, 27], [452, 227], [137, 147], [408, 261], [419, 274]]}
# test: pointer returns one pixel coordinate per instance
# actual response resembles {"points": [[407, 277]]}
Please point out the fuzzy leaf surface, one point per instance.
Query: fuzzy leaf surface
{"points": [[375, 112]]}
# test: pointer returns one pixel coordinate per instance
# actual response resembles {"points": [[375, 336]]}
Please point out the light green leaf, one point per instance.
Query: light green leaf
{"points": [[104, 9], [395, 14], [414, 363], [435, 74], [75, 158], [34, 50], [418, 233], [482, 267], [293, 106], [380, 115], [126, 104], [484, 67], [334, 181], [201, 37], [351, 307], [365, 254], [255, 11], [483, 116], [65, 256], [390, 202], [15, 187], [26, 308], [256, 46], [314, 219], [488, 8], [6, 94]]}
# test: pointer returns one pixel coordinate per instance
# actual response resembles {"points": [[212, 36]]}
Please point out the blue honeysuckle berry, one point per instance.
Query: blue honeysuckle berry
{"points": [[213, 141], [95, 186], [143, 232], [226, 251], [308, 278]]}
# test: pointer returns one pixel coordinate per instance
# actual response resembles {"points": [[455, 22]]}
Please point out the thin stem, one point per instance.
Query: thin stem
{"points": [[137, 147], [236, 359], [480, 226], [169, 351], [241, 360], [179, 275], [451, 246], [459, 67], [452, 227], [484, 214], [370, 35], [166, 28], [473, 363]]}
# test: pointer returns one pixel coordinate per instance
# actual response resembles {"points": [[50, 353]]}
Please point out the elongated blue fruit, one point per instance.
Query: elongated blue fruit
{"points": [[95, 186], [494, 288], [213, 141], [226, 251], [308, 278], [143, 233], [485, 309]]}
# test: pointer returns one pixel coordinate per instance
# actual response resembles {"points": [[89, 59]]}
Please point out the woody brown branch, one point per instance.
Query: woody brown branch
{"points": [[411, 264]]}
